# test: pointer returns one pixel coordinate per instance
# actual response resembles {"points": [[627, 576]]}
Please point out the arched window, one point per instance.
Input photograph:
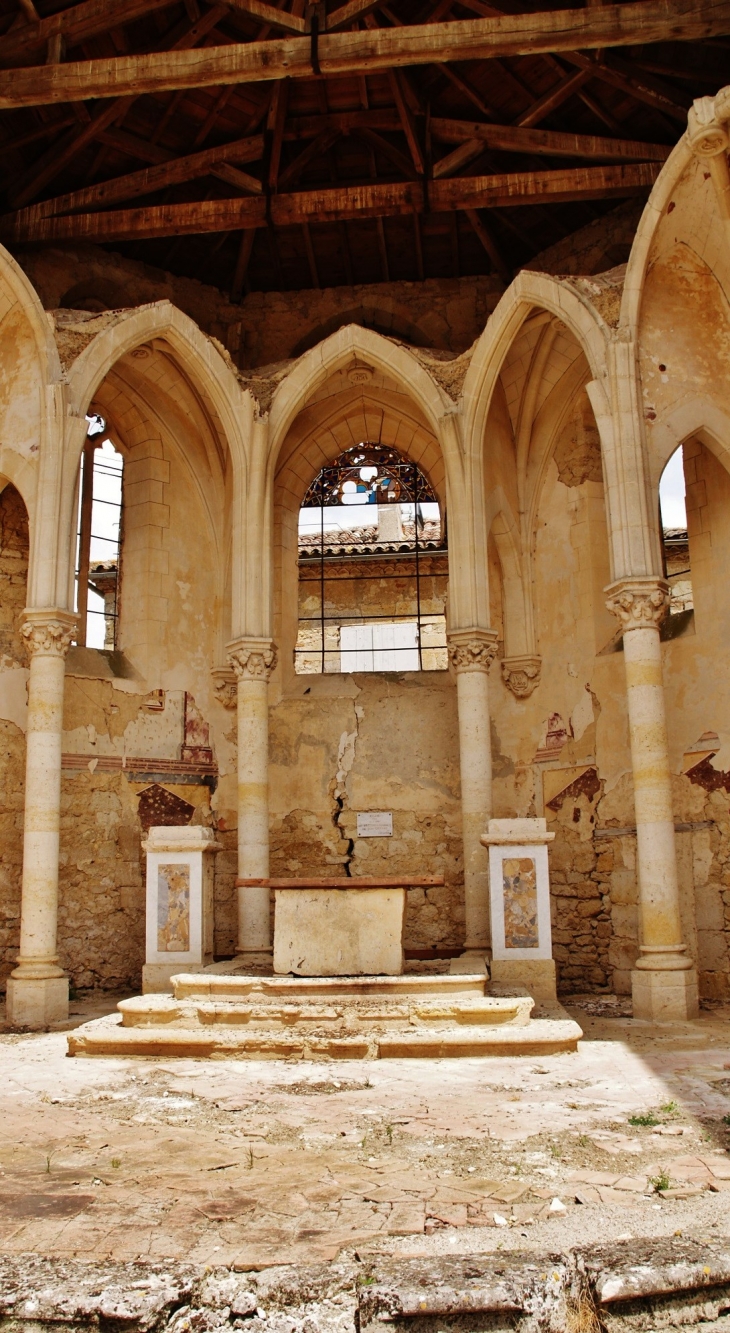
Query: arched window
{"points": [[675, 539], [98, 539], [373, 568]]}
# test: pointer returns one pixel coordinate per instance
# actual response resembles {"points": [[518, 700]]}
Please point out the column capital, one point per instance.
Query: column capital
{"points": [[225, 686], [708, 135], [252, 659], [472, 649], [638, 603], [48, 632], [521, 674]]}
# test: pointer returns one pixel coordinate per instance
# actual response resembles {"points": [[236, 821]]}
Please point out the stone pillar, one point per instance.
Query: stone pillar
{"points": [[471, 653], [38, 988], [709, 139], [253, 660], [664, 981]]}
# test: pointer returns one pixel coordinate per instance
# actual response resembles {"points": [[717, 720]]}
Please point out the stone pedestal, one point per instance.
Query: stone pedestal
{"points": [[180, 865], [341, 927], [519, 893], [36, 1003]]}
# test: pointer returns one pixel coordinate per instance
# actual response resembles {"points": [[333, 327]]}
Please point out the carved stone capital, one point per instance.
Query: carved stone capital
{"points": [[638, 603], [707, 134], [472, 649], [252, 659], [49, 633], [521, 675], [225, 686]]}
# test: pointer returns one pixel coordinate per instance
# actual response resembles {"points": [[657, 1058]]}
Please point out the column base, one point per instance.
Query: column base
{"points": [[665, 996], [472, 962], [37, 1002], [536, 975]]}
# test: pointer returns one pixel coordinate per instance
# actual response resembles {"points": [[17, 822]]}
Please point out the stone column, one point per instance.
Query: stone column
{"points": [[38, 988], [253, 660], [471, 653], [664, 981]]}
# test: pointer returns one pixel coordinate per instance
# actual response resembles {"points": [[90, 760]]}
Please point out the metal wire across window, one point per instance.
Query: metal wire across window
{"points": [[392, 480]]}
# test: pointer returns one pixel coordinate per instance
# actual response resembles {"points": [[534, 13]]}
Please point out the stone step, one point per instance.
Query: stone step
{"points": [[107, 1036], [218, 985], [369, 1016]]}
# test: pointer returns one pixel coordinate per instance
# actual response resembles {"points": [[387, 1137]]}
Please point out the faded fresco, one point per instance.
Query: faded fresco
{"points": [[173, 908], [519, 884]]}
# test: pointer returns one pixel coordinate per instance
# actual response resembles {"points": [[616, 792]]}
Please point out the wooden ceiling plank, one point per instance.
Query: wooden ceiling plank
{"points": [[321, 144], [394, 155], [311, 260], [248, 236], [569, 84], [632, 23], [490, 245], [340, 203], [554, 143], [174, 171], [386, 120], [74, 25]]}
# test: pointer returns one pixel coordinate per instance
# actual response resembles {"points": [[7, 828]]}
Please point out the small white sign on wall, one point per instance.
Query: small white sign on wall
{"points": [[375, 824]]}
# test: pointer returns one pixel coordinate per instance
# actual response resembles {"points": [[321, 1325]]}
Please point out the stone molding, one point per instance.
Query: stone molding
{"points": [[48, 633], [521, 674], [225, 686], [707, 134], [472, 649], [638, 603], [252, 659]]}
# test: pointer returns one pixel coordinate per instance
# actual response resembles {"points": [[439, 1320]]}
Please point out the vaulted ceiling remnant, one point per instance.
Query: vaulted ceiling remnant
{"points": [[297, 144]]}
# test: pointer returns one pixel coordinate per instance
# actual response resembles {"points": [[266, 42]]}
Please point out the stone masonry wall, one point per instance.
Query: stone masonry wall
{"points": [[13, 661]]}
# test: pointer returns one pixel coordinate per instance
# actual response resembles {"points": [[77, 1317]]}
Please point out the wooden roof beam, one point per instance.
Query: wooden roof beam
{"points": [[569, 84], [490, 245], [553, 143], [268, 14], [338, 204], [149, 179], [74, 25], [632, 23]]}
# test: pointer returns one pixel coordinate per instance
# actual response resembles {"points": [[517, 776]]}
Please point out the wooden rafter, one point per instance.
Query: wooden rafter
{"points": [[268, 14], [319, 145], [552, 143], [490, 245], [74, 25], [150, 179], [568, 84], [636, 22], [344, 202]]}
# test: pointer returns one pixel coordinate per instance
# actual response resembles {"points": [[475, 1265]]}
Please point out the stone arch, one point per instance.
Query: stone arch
{"points": [[656, 205], [17, 291], [528, 292], [197, 355], [698, 417], [349, 344]]}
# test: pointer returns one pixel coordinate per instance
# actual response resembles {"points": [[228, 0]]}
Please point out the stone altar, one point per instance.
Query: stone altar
{"points": [[341, 927]]}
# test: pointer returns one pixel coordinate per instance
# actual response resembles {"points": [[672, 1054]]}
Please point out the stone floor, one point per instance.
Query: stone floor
{"points": [[251, 1164]]}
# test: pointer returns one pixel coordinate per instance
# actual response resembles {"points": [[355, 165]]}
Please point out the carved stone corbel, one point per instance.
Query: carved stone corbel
{"points": [[638, 603], [225, 686], [521, 674]]}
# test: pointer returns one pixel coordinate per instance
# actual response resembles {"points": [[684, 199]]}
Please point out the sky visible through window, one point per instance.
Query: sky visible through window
{"points": [[671, 493]]}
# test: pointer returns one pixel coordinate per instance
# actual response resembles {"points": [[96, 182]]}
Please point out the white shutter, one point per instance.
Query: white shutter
{"points": [[395, 647], [356, 648]]}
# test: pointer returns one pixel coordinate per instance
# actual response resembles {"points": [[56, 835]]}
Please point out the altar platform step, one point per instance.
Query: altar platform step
{"points": [[326, 1018]]}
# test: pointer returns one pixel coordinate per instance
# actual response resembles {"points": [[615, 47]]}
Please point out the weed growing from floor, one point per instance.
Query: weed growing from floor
{"points": [[644, 1119]]}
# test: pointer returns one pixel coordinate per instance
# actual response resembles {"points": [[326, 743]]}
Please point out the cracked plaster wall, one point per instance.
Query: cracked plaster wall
{"points": [[13, 676]]}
